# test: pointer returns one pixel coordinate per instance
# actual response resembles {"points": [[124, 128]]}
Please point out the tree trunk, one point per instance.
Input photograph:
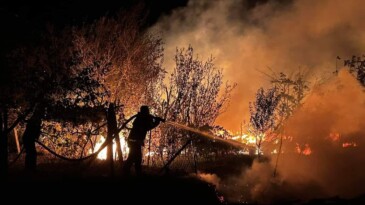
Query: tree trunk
{"points": [[4, 144], [16, 138], [194, 158], [149, 148], [112, 127], [31, 134], [119, 149], [279, 152], [109, 155]]}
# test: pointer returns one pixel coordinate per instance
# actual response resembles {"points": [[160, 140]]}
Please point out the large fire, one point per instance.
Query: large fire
{"points": [[249, 140], [246, 139], [102, 155]]}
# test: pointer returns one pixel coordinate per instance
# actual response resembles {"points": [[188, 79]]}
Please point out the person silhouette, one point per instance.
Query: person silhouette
{"points": [[30, 136], [142, 123]]}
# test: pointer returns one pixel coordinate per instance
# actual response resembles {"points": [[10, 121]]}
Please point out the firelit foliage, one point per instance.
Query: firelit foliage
{"points": [[194, 96], [357, 67], [263, 110], [262, 114], [291, 91], [125, 60], [75, 73]]}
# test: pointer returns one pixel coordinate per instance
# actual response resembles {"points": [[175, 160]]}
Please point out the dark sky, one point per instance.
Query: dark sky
{"points": [[70, 12], [22, 22]]}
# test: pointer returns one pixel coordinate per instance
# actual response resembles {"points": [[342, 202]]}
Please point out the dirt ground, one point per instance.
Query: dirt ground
{"points": [[65, 182]]}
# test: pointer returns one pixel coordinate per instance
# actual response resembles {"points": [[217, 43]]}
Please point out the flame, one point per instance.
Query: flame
{"points": [[246, 139], [334, 136], [102, 154], [307, 150], [151, 154], [221, 132], [349, 144], [304, 151], [249, 140]]}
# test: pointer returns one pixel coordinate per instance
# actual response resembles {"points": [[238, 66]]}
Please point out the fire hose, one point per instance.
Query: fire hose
{"points": [[106, 143], [17, 157]]}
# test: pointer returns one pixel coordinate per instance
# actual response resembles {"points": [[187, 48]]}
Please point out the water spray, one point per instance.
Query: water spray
{"points": [[207, 135]]}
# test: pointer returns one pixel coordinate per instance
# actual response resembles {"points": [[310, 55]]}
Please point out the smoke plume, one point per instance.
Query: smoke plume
{"points": [[331, 124], [282, 35], [286, 36]]}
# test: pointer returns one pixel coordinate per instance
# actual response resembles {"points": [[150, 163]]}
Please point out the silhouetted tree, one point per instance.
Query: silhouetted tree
{"points": [[357, 67], [12, 111], [124, 59], [78, 72], [262, 114], [193, 96], [291, 92]]}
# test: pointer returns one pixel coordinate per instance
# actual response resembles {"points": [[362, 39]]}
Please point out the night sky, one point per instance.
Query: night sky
{"points": [[23, 22]]}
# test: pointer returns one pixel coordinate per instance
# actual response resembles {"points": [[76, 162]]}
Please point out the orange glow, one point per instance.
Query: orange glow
{"points": [[334, 136], [297, 148], [102, 154], [349, 144], [246, 139], [249, 140], [305, 151]]}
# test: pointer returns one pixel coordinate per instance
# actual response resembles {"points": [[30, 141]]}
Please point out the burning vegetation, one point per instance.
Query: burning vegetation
{"points": [[73, 95]]}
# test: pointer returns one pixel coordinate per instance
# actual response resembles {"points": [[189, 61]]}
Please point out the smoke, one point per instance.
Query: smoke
{"points": [[282, 35], [256, 184], [210, 178], [337, 107], [332, 115], [285, 36]]}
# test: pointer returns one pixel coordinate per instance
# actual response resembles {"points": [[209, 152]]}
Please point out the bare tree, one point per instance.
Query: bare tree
{"points": [[122, 57], [193, 96], [262, 111], [291, 91], [29, 82]]}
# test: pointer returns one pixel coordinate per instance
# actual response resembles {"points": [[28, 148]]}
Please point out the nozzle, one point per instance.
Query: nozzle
{"points": [[161, 119]]}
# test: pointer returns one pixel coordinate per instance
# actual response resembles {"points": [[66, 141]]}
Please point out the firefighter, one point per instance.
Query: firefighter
{"points": [[30, 136], [143, 123]]}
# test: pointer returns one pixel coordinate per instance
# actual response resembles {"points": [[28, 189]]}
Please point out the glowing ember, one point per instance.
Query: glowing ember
{"points": [[297, 148], [306, 150], [334, 136], [349, 144], [102, 154]]}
